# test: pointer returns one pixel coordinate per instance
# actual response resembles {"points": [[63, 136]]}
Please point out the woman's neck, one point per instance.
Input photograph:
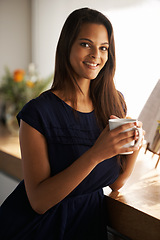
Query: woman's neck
{"points": [[84, 102]]}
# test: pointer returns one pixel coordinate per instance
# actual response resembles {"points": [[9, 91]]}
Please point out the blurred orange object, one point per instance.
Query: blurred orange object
{"points": [[18, 75], [30, 84]]}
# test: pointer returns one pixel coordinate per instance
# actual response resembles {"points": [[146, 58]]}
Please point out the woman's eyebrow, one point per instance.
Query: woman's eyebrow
{"points": [[86, 39]]}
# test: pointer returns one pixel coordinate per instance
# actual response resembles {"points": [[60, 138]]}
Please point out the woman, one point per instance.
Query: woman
{"points": [[68, 152]]}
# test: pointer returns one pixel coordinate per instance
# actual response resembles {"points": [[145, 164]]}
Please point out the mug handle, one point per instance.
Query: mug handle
{"points": [[140, 136]]}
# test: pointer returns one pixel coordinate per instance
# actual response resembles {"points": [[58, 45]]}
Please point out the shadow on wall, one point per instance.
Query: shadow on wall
{"points": [[150, 114]]}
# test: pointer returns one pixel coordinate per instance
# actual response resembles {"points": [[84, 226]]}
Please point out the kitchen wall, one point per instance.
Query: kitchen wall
{"points": [[15, 34]]}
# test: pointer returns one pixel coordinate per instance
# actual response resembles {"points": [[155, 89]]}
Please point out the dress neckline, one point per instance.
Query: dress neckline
{"points": [[67, 105]]}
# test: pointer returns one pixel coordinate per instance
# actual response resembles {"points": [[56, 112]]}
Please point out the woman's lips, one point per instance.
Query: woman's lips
{"points": [[91, 65]]}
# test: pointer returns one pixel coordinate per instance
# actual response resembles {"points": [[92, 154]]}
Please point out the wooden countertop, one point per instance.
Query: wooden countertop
{"points": [[10, 156], [9, 143], [142, 190]]}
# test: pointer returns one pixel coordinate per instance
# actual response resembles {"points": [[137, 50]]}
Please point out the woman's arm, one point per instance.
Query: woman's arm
{"points": [[45, 191], [123, 177], [129, 166]]}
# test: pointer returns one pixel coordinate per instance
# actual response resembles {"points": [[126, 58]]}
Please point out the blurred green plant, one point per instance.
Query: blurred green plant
{"points": [[17, 88]]}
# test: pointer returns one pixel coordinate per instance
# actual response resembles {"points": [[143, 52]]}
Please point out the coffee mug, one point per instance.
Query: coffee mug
{"points": [[114, 123]]}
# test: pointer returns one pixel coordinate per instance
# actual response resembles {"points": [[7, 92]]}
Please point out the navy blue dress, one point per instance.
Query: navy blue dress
{"points": [[82, 214]]}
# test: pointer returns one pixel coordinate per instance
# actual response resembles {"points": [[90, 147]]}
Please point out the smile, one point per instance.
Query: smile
{"points": [[91, 64]]}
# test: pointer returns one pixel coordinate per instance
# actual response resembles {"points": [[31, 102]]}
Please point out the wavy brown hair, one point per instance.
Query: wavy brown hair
{"points": [[106, 99]]}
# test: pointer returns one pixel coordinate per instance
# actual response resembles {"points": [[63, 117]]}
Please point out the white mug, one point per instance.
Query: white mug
{"points": [[114, 123]]}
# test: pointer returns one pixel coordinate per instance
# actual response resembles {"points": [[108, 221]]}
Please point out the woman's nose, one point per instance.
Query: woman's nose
{"points": [[95, 53]]}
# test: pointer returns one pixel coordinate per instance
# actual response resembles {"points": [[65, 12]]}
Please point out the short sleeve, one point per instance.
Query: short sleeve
{"points": [[31, 114]]}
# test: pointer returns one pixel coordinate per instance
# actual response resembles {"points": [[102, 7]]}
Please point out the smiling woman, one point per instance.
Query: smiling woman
{"points": [[68, 152], [89, 52], [87, 37]]}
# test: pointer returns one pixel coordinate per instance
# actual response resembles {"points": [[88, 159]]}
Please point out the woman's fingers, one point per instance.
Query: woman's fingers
{"points": [[122, 135], [122, 128], [139, 124], [111, 142], [129, 149], [113, 117]]}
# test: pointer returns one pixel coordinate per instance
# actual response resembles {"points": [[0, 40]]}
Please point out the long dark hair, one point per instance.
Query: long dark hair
{"points": [[106, 99]]}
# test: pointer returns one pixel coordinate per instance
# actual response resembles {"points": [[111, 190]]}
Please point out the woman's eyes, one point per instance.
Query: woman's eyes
{"points": [[87, 45], [104, 48]]}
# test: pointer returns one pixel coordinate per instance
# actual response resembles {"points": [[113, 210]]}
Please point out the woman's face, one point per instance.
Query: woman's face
{"points": [[89, 52]]}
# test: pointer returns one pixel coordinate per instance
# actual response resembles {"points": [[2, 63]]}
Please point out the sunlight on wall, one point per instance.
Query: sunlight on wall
{"points": [[137, 39]]}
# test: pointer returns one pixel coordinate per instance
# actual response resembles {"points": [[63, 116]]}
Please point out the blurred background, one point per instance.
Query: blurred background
{"points": [[29, 31]]}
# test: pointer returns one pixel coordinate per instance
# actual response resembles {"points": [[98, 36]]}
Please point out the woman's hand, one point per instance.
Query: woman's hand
{"points": [[138, 124], [110, 143], [130, 160]]}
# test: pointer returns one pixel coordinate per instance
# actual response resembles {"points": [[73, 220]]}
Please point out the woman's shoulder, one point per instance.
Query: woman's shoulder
{"points": [[43, 102], [38, 111]]}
